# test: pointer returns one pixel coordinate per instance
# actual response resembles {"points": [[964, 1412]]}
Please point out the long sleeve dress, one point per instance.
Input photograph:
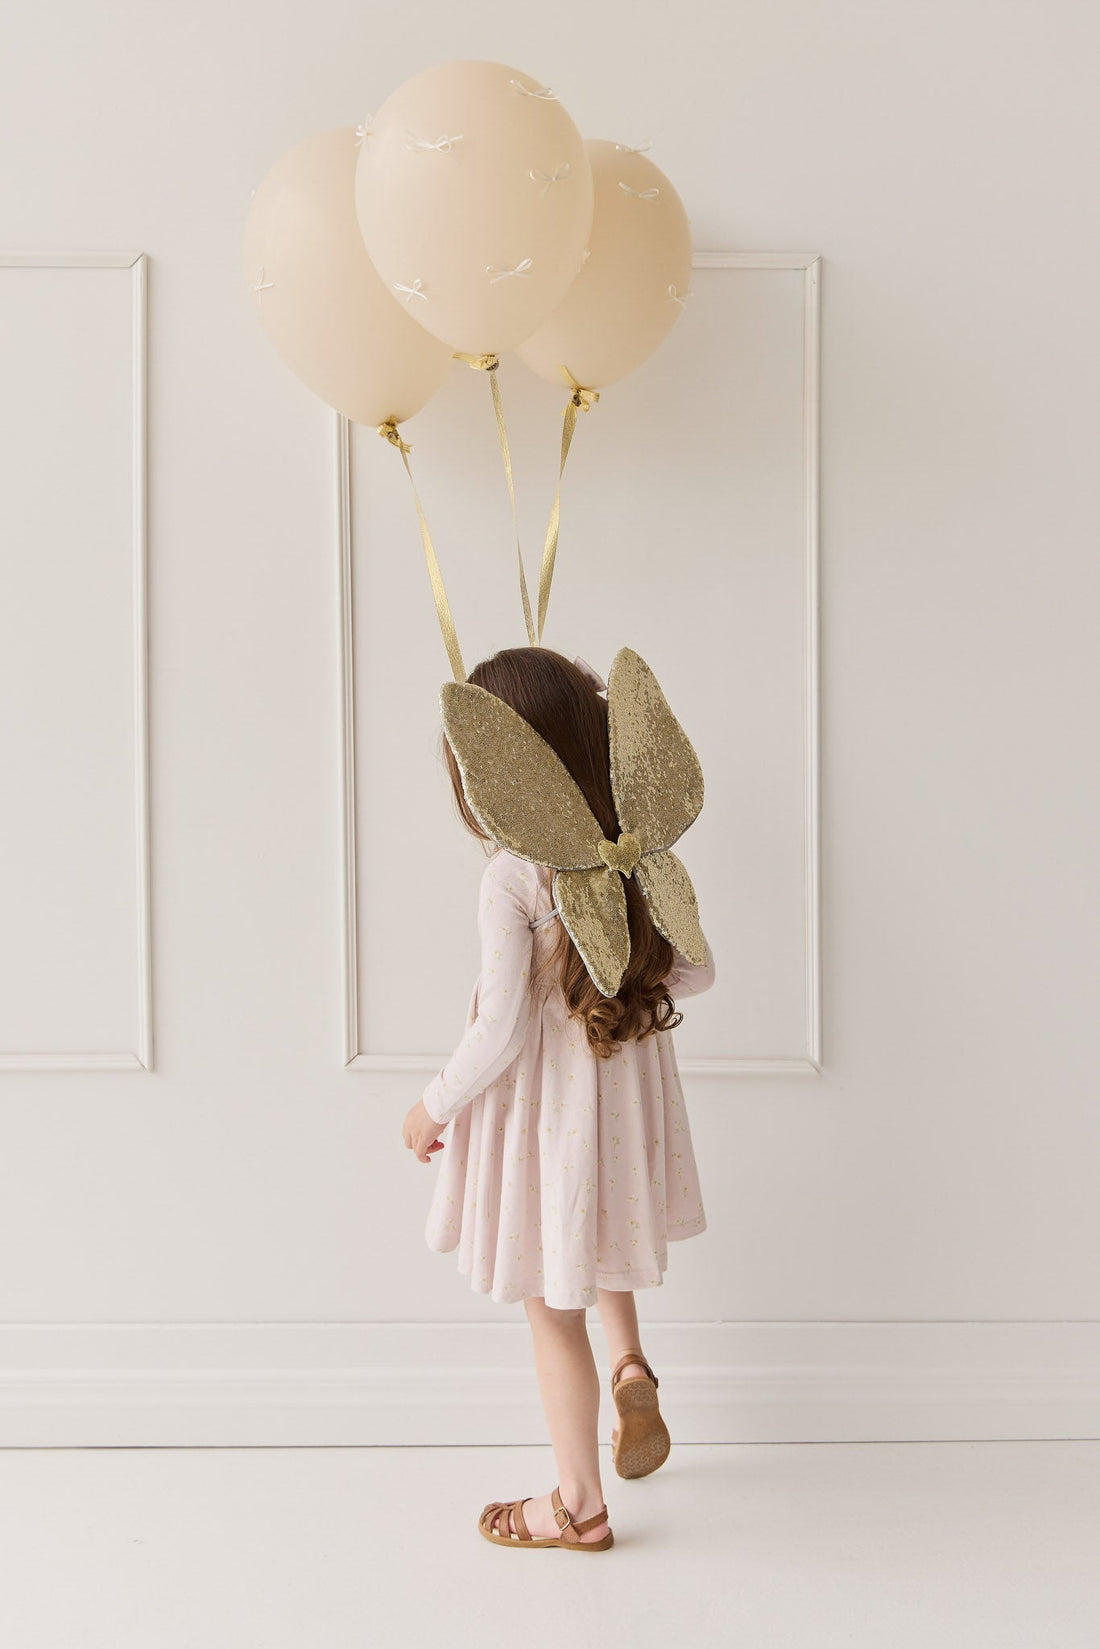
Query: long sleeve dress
{"points": [[561, 1172]]}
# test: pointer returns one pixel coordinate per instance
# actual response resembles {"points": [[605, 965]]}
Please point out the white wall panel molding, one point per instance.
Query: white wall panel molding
{"points": [[134, 907], [806, 1060], [221, 1384], [349, 905]]}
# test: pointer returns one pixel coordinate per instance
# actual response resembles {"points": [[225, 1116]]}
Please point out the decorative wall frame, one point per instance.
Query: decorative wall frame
{"points": [[808, 1062], [141, 1057]]}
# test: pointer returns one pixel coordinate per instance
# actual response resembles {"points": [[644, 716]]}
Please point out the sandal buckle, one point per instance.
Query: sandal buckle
{"points": [[568, 1519]]}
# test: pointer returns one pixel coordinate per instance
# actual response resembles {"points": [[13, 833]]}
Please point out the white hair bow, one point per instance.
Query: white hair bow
{"points": [[593, 675]]}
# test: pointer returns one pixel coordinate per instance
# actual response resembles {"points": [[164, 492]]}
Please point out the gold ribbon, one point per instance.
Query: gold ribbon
{"points": [[581, 400], [489, 364], [389, 432]]}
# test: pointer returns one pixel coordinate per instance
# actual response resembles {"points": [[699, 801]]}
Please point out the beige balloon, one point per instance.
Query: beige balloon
{"points": [[475, 202], [318, 296], [631, 289]]}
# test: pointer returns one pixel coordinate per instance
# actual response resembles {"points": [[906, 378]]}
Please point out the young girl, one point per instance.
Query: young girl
{"points": [[569, 1165]]}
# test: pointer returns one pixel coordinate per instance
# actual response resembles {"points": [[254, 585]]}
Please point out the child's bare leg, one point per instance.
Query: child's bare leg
{"points": [[570, 1389], [619, 1317]]}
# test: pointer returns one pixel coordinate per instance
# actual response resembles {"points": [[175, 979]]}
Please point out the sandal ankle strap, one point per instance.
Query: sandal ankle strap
{"points": [[561, 1511], [631, 1357]]}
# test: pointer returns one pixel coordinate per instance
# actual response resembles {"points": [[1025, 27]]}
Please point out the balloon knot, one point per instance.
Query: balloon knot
{"points": [[389, 432], [583, 399], [480, 363]]}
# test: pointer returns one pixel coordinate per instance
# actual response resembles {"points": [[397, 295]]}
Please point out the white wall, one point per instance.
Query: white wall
{"points": [[941, 1170]]}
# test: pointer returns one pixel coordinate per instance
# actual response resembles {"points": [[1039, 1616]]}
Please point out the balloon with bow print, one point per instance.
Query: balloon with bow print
{"points": [[631, 289], [319, 298], [474, 194]]}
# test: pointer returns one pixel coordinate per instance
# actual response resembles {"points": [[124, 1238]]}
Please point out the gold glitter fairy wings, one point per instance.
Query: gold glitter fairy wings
{"points": [[526, 799]]}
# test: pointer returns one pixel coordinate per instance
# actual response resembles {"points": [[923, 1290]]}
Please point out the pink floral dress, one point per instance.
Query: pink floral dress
{"points": [[561, 1172]]}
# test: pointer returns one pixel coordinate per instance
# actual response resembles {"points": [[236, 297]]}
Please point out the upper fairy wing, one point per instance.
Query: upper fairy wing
{"points": [[655, 773], [518, 788]]}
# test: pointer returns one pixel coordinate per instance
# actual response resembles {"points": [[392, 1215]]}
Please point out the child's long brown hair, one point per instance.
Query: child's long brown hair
{"points": [[563, 705]]}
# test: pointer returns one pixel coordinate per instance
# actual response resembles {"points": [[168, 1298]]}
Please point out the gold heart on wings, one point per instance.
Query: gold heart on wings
{"points": [[522, 794], [622, 855]]}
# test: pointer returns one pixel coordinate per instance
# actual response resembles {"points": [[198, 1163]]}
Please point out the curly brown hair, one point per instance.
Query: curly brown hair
{"points": [[565, 708]]}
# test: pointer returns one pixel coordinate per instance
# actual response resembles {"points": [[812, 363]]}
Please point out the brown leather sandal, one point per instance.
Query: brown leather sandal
{"points": [[640, 1443], [494, 1525]]}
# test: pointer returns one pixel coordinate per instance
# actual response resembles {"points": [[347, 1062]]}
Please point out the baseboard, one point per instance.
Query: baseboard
{"points": [[294, 1384]]}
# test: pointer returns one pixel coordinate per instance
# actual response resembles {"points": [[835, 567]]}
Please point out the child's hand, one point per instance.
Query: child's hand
{"points": [[421, 1132]]}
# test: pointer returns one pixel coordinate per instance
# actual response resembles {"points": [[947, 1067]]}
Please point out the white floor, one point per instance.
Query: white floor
{"points": [[980, 1546]]}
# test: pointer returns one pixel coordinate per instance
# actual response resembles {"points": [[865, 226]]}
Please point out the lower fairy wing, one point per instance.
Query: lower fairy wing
{"points": [[672, 903], [592, 906]]}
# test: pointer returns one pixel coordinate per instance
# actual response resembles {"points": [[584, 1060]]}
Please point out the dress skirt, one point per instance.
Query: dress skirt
{"points": [[566, 1173]]}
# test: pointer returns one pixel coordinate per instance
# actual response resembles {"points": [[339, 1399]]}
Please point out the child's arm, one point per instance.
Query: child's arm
{"points": [[688, 978], [509, 888]]}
